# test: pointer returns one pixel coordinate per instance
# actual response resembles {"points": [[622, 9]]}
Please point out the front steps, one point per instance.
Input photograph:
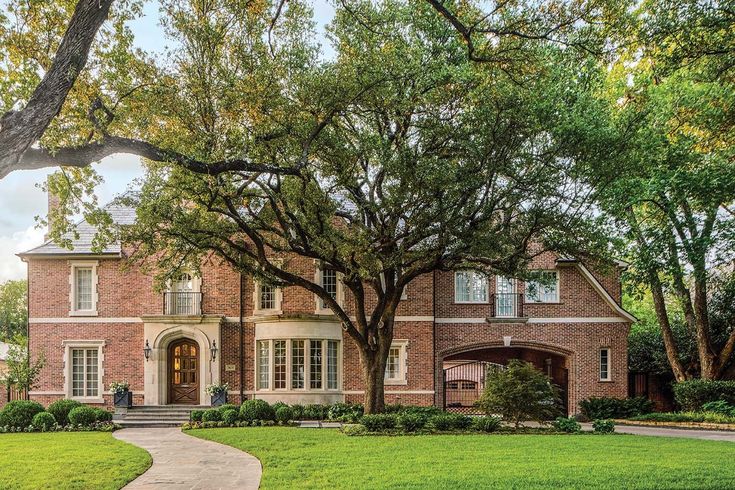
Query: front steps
{"points": [[155, 415]]}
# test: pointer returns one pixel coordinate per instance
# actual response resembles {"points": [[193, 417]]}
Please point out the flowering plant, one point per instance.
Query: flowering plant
{"points": [[119, 387], [215, 388]]}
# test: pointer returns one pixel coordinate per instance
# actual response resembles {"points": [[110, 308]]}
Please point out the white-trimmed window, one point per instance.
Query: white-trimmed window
{"points": [[543, 287], [396, 365], [605, 374], [267, 299], [83, 370], [83, 288], [330, 280], [404, 293], [470, 287], [298, 364]]}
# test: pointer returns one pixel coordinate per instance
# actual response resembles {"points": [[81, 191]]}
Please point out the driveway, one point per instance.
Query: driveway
{"points": [[712, 435], [181, 461]]}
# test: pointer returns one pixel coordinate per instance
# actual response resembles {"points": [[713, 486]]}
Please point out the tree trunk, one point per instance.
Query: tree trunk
{"points": [[672, 352], [374, 377]]}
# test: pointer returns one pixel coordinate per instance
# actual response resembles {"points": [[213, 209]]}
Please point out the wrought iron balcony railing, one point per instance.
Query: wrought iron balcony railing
{"points": [[182, 303], [507, 305]]}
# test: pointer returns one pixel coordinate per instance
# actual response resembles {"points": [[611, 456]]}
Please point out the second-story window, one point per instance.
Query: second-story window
{"points": [[395, 367], [470, 287], [83, 284], [267, 297], [543, 287], [329, 283]]}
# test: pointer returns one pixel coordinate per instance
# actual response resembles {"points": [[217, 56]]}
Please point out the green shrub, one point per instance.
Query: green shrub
{"points": [[691, 395], [102, 415], [315, 412], [603, 426], [44, 421], [567, 424], [614, 408], [721, 407], [450, 421], [256, 410], [228, 406], [411, 422], [278, 405], [230, 416], [379, 421], [354, 430], [520, 392], [345, 412], [84, 416], [196, 415], [427, 411], [60, 410], [486, 424], [298, 411], [211, 415], [19, 413], [284, 414]]}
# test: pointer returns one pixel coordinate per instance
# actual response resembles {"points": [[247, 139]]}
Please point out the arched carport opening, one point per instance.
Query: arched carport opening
{"points": [[464, 371]]}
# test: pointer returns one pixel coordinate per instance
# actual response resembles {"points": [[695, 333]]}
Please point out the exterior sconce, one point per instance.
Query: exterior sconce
{"points": [[147, 351], [214, 350]]}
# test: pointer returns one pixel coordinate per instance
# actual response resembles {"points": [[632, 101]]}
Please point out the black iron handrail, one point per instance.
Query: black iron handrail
{"points": [[507, 305], [182, 303]]}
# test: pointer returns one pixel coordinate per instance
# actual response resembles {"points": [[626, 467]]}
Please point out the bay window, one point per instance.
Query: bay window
{"points": [[313, 364]]}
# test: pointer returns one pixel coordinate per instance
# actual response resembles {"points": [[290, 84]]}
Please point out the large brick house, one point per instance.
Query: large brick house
{"points": [[97, 322]]}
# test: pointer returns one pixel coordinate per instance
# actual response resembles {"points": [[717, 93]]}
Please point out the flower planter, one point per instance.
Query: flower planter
{"points": [[123, 399], [219, 398]]}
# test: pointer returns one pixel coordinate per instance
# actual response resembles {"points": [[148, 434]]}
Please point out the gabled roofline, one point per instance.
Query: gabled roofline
{"points": [[71, 254], [604, 293]]}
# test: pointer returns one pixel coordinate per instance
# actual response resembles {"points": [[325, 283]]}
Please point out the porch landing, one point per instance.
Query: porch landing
{"points": [[155, 415]]}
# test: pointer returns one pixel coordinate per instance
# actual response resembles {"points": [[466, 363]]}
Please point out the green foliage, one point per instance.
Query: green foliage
{"points": [[719, 406], [379, 421], [603, 426], [567, 424], [196, 415], [691, 395], [614, 408], [13, 309], [411, 422], [21, 372], [298, 411], [230, 416], [519, 393], [345, 412], [284, 414], [252, 410], [60, 410], [450, 421], [354, 430], [486, 424], [228, 406], [709, 417], [315, 412], [43, 421], [19, 413], [84, 416], [211, 415], [102, 415]]}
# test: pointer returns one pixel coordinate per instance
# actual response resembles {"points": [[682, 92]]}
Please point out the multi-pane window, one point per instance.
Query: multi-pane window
{"points": [[279, 364], [395, 367], [605, 364], [332, 359], [298, 362], [506, 303], [267, 297], [315, 365], [329, 283], [542, 287], [470, 287], [263, 364], [84, 372], [83, 290]]}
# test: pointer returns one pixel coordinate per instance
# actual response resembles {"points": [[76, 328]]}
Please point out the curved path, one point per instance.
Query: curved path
{"points": [[181, 461]]}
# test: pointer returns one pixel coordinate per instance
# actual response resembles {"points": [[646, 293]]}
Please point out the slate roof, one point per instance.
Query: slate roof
{"points": [[120, 214]]}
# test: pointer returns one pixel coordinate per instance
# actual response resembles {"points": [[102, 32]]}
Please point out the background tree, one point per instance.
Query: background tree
{"points": [[21, 373], [13, 309]]}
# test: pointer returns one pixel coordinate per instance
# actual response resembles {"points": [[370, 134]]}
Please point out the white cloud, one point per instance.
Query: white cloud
{"points": [[11, 267]]}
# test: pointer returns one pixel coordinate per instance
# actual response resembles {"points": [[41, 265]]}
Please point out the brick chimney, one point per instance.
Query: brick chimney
{"points": [[53, 203]]}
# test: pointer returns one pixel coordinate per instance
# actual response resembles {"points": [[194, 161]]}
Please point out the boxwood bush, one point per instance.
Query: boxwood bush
{"points": [[315, 411], [692, 394], [44, 421], [211, 415], [83, 415], [567, 424], [102, 415], [230, 416], [450, 421], [60, 410], [284, 414], [196, 415], [411, 422], [379, 421], [603, 426], [345, 412], [19, 413], [256, 410]]}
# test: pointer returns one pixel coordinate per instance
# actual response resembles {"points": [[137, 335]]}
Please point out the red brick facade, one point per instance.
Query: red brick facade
{"points": [[570, 332]]}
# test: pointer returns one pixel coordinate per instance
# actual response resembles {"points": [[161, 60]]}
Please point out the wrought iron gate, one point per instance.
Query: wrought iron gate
{"points": [[464, 384]]}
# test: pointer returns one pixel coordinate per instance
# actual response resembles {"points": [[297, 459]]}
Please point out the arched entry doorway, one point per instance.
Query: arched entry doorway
{"points": [[464, 372], [183, 372]]}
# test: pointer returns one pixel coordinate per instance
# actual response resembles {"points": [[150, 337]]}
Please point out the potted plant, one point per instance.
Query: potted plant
{"points": [[218, 392], [121, 394]]}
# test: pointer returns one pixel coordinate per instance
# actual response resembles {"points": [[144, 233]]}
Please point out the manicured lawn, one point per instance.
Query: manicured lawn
{"points": [[325, 458], [68, 460]]}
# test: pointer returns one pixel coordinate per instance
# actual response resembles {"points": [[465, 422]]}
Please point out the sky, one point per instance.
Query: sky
{"points": [[20, 194]]}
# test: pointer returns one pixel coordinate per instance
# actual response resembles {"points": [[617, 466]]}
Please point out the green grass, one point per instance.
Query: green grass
{"points": [[324, 458], [68, 460]]}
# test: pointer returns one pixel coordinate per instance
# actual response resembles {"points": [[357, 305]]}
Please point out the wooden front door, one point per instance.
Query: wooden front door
{"points": [[183, 372]]}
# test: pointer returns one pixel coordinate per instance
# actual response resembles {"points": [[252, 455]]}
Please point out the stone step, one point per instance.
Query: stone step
{"points": [[185, 418], [147, 424]]}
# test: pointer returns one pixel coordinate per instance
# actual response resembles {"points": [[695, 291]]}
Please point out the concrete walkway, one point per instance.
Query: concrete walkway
{"points": [[712, 435], [181, 461]]}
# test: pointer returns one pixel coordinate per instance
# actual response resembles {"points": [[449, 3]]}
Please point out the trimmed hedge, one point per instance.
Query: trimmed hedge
{"points": [[379, 421], [102, 415], [450, 421], [230, 416], [211, 415], [60, 410], [411, 422], [691, 395], [19, 413], [256, 410], [83, 415], [284, 414], [196, 415], [44, 421], [615, 408]]}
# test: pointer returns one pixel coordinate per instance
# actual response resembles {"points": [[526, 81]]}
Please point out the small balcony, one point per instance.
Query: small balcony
{"points": [[507, 305], [182, 303]]}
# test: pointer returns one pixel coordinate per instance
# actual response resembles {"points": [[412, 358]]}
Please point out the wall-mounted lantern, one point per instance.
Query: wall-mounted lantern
{"points": [[214, 350], [147, 350]]}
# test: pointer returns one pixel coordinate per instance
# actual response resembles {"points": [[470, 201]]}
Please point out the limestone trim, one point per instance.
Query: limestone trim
{"points": [[581, 319], [74, 266], [86, 320], [70, 345]]}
